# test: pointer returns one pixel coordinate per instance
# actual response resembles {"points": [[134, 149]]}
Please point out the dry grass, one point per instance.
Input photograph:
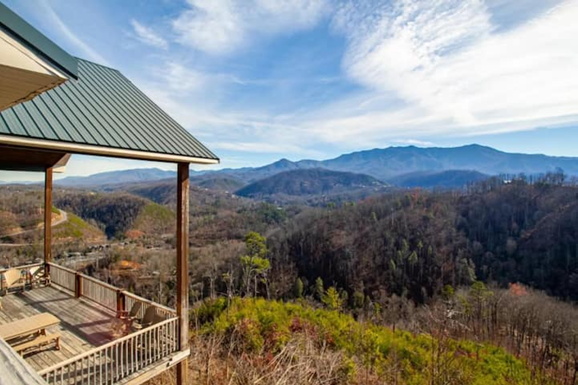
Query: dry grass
{"points": [[217, 361]]}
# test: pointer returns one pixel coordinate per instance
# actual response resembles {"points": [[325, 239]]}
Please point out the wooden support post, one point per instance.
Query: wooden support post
{"points": [[78, 285], [47, 222], [183, 266], [120, 303]]}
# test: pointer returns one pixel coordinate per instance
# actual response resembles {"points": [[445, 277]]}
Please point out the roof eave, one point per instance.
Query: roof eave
{"points": [[86, 149], [37, 42]]}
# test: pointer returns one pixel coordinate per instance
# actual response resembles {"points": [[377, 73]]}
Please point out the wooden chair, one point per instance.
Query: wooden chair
{"points": [[151, 317], [36, 276], [126, 321], [133, 314], [12, 279]]}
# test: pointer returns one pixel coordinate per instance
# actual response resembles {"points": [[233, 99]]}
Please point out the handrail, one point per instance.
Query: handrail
{"points": [[117, 360], [102, 347], [22, 267], [62, 276], [149, 302], [68, 270], [100, 292], [98, 282]]}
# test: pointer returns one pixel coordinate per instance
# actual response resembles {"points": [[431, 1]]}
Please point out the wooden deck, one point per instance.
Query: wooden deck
{"points": [[83, 325]]}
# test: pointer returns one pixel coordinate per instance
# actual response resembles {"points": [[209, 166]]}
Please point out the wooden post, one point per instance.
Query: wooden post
{"points": [[183, 266], [47, 222], [78, 285], [120, 303]]}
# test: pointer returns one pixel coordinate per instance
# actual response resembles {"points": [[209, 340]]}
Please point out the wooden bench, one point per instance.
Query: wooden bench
{"points": [[36, 324], [38, 342]]}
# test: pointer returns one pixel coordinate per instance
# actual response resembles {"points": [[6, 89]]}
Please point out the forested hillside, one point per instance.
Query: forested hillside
{"points": [[306, 182], [468, 272], [450, 179], [412, 244]]}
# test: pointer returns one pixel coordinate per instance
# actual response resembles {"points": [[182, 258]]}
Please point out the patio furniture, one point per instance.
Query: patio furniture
{"points": [[151, 317], [37, 343], [36, 276], [12, 279], [134, 312], [36, 324]]}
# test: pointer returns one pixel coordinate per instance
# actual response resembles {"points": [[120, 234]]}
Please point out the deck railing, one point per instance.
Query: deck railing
{"points": [[119, 359], [23, 267], [63, 277], [99, 292], [131, 299], [104, 294]]}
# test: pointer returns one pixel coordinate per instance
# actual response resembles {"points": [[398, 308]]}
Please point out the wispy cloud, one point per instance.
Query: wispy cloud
{"points": [[148, 36], [219, 27], [453, 72], [440, 67], [70, 35], [260, 147]]}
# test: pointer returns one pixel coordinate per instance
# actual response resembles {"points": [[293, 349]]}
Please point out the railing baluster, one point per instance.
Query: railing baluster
{"points": [[133, 354]]}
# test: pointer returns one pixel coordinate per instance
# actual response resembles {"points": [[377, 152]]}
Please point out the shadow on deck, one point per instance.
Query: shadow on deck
{"points": [[83, 325]]}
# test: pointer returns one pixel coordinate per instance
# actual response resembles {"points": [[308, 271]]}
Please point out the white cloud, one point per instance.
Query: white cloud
{"points": [[222, 26], [147, 36], [70, 35], [182, 78], [427, 68], [453, 72], [257, 147]]}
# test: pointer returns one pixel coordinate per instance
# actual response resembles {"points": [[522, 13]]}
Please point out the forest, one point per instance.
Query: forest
{"points": [[431, 282]]}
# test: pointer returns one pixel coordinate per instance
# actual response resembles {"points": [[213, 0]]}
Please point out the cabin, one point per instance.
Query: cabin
{"points": [[82, 330]]}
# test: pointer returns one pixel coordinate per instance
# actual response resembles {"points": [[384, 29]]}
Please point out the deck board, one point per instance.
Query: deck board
{"points": [[83, 325]]}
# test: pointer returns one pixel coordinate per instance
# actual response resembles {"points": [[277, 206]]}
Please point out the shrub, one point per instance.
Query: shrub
{"points": [[261, 325]]}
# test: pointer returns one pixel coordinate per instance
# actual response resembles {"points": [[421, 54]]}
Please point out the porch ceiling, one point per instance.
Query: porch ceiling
{"points": [[26, 159]]}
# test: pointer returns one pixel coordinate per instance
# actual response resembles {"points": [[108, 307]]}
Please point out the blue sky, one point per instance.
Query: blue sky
{"points": [[258, 80]]}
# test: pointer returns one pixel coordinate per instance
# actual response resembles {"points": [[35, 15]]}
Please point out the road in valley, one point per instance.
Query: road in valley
{"points": [[63, 218]]}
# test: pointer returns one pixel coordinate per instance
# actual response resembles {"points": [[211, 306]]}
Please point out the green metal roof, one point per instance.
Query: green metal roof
{"points": [[103, 109], [37, 42]]}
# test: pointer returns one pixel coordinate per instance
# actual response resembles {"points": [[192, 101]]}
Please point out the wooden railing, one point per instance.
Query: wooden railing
{"points": [[63, 277], [117, 360], [99, 292], [131, 299], [23, 267], [104, 294]]}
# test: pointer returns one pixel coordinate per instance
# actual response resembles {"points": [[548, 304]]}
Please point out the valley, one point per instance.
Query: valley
{"points": [[457, 268]]}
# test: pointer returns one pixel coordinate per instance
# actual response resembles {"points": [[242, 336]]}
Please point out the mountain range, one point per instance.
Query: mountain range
{"points": [[116, 177], [385, 164], [408, 166]]}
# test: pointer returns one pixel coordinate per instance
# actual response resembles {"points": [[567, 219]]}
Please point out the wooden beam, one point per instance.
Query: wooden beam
{"points": [[47, 220], [183, 266], [26, 159]]}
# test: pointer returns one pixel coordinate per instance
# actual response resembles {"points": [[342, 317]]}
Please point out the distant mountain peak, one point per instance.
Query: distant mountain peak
{"points": [[116, 177], [381, 163]]}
